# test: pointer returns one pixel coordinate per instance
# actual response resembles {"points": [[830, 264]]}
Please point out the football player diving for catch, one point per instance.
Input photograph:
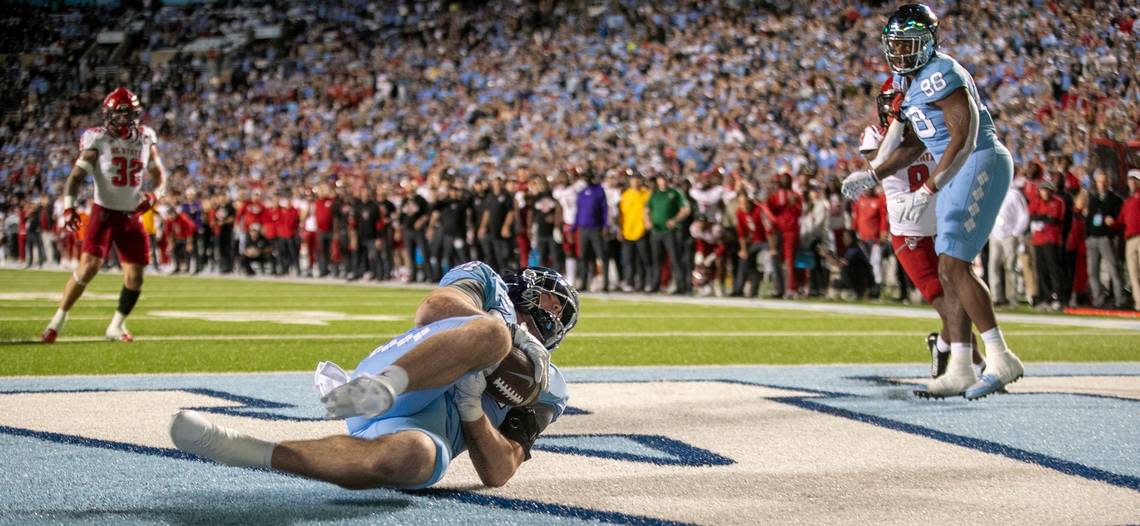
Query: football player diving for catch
{"points": [[969, 183], [913, 243], [114, 155], [421, 399]]}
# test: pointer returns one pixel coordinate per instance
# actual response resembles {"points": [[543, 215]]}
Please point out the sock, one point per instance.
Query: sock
{"points": [[192, 433], [58, 319], [127, 300], [396, 378], [994, 340], [961, 359], [117, 320], [942, 345]]}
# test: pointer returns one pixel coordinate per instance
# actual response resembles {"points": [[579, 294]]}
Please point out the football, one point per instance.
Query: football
{"points": [[512, 382]]}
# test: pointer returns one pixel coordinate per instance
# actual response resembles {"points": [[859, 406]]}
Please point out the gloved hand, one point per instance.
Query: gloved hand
{"points": [[469, 396], [914, 204], [523, 340], [148, 202], [856, 184], [71, 219]]}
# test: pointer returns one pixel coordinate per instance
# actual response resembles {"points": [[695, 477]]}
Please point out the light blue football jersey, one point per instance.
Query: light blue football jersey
{"points": [[495, 296], [934, 82]]}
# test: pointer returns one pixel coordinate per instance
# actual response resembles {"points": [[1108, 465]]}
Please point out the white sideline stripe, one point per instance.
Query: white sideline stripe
{"points": [[706, 334], [870, 310], [859, 310]]}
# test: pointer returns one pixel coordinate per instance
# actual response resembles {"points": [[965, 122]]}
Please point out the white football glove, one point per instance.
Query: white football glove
{"points": [[522, 339], [914, 204], [856, 184], [469, 396]]}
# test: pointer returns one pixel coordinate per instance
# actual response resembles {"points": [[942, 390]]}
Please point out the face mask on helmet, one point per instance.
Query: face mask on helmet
{"points": [[907, 52], [883, 104], [548, 300]]}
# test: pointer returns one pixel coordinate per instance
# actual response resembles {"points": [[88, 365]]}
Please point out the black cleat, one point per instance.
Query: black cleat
{"points": [[938, 360]]}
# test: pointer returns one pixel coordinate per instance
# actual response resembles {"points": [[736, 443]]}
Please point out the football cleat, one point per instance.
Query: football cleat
{"points": [[938, 360], [368, 396], [49, 335], [118, 334], [1002, 369], [947, 385]]}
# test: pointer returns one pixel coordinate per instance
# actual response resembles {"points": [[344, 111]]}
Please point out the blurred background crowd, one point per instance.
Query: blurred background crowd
{"points": [[678, 146]]}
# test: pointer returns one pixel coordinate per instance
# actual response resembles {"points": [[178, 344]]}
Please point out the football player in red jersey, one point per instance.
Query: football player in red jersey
{"points": [[114, 155]]}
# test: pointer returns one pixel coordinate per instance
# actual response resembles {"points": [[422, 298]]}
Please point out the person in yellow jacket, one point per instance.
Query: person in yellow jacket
{"points": [[150, 222], [634, 241]]}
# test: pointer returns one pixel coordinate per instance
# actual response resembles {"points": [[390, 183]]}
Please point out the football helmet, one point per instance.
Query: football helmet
{"points": [[526, 289], [122, 112], [885, 103], [910, 38]]}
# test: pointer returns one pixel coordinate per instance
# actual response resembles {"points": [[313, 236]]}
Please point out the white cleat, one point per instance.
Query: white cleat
{"points": [[192, 433], [366, 396], [1002, 369], [119, 334], [949, 384]]}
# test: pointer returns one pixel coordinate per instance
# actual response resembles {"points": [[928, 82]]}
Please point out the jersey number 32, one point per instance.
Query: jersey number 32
{"points": [[126, 171]]}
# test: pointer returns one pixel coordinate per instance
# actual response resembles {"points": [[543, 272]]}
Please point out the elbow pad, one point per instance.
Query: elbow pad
{"points": [[523, 425]]}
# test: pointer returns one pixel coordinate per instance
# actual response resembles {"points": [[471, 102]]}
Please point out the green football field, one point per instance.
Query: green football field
{"points": [[202, 324]]}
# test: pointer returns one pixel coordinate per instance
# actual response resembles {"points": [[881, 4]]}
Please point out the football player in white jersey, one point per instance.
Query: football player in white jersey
{"points": [[115, 155], [913, 242]]}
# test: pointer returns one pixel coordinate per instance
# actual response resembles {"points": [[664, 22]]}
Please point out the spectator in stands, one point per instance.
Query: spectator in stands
{"points": [[323, 209], [37, 220], [593, 216], [1100, 238], [1047, 216], [665, 210], [753, 242], [365, 213], [496, 224], [1129, 221], [869, 217], [1005, 245], [257, 250], [635, 253], [546, 223]]}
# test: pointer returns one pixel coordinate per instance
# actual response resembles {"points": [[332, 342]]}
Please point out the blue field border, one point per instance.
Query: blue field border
{"points": [[556, 510], [466, 497], [985, 446], [887, 381], [682, 454]]}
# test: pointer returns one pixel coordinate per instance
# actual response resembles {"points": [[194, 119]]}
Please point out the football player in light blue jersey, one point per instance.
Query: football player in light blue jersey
{"points": [[943, 114], [419, 400]]}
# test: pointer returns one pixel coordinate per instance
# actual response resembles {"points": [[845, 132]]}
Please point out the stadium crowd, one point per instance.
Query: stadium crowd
{"points": [[679, 146]]}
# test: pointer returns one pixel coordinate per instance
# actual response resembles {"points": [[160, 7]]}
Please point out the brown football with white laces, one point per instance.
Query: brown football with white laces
{"points": [[512, 382]]}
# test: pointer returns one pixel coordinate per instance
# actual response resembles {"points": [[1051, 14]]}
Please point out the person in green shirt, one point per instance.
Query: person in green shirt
{"points": [[665, 211]]}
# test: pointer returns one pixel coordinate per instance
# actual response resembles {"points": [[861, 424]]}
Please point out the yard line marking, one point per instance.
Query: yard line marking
{"points": [[702, 334]]}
